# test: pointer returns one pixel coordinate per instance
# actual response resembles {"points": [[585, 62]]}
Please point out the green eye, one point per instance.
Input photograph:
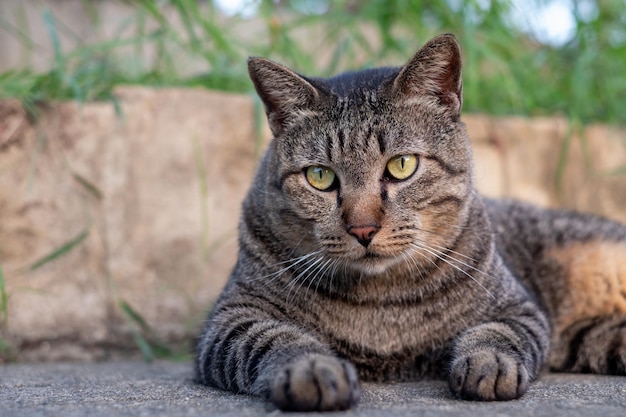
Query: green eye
{"points": [[402, 167], [321, 178]]}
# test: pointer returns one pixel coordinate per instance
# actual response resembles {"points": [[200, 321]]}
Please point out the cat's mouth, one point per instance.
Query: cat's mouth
{"points": [[373, 263], [372, 255]]}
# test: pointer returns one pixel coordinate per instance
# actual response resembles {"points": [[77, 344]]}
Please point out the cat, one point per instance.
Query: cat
{"points": [[365, 253]]}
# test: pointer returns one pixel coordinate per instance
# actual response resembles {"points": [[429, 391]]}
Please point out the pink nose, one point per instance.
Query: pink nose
{"points": [[364, 234]]}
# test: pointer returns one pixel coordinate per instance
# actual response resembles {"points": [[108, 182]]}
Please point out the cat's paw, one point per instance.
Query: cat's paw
{"points": [[488, 376], [316, 383]]}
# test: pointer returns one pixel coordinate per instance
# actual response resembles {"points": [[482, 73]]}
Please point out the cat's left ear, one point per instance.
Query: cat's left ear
{"points": [[435, 70], [285, 94]]}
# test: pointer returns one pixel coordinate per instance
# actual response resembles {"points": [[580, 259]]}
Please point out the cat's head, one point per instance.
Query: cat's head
{"points": [[370, 169]]}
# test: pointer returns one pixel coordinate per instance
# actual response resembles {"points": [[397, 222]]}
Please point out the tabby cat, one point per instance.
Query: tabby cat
{"points": [[367, 254]]}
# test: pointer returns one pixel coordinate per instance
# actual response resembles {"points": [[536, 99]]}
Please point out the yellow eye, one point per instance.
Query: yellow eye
{"points": [[402, 167], [321, 178]]}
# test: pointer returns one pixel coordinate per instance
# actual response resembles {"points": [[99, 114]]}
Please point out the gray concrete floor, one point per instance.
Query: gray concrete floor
{"points": [[166, 389]]}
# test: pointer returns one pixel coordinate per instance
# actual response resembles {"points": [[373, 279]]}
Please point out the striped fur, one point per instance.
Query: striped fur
{"points": [[393, 280]]}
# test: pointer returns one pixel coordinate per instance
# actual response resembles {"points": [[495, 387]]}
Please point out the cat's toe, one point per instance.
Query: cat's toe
{"points": [[595, 345], [488, 376], [316, 383]]}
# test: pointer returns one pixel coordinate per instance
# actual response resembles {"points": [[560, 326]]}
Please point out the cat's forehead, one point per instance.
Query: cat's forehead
{"points": [[354, 137], [357, 86], [369, 113]]}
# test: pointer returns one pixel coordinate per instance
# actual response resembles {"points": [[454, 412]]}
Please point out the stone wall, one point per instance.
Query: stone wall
{"points": [[138, 209]]}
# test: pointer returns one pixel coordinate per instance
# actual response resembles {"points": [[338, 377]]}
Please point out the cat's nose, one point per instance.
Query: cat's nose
{"points": [[364, 234]]}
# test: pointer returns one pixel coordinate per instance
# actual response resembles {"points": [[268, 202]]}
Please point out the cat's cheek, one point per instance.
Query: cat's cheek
{"points": [[309, 203]]}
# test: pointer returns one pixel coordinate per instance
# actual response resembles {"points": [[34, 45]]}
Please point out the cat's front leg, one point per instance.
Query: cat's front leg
{"points": [[497, 360], [259, 355]]}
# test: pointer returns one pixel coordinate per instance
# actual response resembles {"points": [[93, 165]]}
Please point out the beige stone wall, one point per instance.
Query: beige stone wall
{"points": [[150, 198], [157, 191], [547, 162]]}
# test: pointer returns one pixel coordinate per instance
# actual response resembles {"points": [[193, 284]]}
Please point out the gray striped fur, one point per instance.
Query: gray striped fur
{"points": [[447, 284]]}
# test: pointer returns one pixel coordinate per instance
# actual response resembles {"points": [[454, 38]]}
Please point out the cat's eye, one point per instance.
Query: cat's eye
{"points": [[402, 167], [320, 177]]}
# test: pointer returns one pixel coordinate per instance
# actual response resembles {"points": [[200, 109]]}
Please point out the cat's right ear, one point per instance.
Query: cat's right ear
{"points": [[435, 71], [285, 94]]}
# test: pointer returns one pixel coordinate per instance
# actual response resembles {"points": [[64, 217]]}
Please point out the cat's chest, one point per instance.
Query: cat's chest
{"points": [[387, 328]]}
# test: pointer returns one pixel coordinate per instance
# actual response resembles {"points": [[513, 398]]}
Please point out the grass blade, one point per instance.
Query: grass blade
{"points": [[204, 196], [62, 250], [143, 345], [133, 315], [617, 171], [88, 186], [144, 338], [7, 351], [50, 22], [17, 33], [4, 302]]}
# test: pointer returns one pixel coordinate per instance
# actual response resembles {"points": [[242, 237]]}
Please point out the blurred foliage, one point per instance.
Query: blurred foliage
{"points": [[507, 70]]}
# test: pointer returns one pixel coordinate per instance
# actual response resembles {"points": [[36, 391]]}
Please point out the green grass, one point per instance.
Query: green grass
{"points": [[7, 351], [147, 342], [4, 302], [62, 250], [506, 70]]}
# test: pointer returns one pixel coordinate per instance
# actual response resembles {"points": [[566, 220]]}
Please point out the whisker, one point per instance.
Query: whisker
{"points": [[301, 278], [443, 248], [299, 257], [295, 260], [319, 275], [442, 253], [305, 261], [439, 256], [413, 262], [332, 274], [293, 263], [428, 259]]}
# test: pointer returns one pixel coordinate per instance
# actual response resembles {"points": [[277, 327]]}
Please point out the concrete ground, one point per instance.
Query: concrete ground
{"points": [[166, 389]]}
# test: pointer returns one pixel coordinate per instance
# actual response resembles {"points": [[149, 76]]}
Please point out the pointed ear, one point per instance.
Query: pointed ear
{"points": [[435, 70], [285, 94]]}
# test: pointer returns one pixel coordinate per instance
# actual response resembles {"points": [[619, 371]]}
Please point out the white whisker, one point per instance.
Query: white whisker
{"points": [[319, 275], [302, 277], [442, 253], [292, 264], [419, 246]]}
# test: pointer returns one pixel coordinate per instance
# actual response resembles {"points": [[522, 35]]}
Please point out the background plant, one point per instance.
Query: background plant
{"points": [[507, 70]]}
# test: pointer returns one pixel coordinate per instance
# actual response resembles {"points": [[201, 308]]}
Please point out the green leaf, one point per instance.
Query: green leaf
{"points": [[6, 350], [63, 250], [617, 171], [143, 345], [92, 189], [4, 301], [144, 337], [50, 23], [133, 315]]}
